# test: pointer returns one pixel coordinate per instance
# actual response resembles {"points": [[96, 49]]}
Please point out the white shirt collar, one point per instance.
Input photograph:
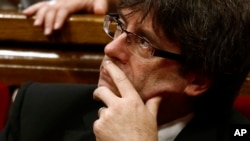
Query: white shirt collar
{"points": [[169, 131]]}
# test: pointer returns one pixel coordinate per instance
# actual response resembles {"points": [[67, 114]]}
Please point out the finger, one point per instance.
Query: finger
{"points": [[40, 16], [101, 110], [120, 79], [49, 22], [153, 105], [31, 10], [60, 18], [105, 95], [100, 7]]}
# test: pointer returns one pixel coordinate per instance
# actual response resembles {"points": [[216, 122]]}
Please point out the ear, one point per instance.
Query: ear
{"points": [[197, 85]]}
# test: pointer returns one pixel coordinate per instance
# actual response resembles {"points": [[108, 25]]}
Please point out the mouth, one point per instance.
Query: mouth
{"points": [[105, 79]]}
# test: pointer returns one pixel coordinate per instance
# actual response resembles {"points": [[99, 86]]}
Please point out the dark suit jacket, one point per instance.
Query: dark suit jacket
{"points": [[66, 112]]}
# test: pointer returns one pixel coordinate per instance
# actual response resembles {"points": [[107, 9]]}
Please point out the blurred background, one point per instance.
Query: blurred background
{"points": [[16, 4]]}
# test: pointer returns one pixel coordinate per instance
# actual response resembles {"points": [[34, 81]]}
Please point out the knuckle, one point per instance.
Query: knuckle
{"points": [[120, 78], [97, 127], [134, 102], [99, 90], [97, 93]]}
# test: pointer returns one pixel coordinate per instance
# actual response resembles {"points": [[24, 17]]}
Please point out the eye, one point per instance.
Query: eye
{"points": [[145, 49], [144, 43]]}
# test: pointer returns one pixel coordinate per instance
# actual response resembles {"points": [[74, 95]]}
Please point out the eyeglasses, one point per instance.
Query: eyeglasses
{"points": [[137, 45]]}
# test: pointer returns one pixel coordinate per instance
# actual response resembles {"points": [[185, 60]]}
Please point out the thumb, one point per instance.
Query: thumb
{"points": [[100, 7], [153, 105]]}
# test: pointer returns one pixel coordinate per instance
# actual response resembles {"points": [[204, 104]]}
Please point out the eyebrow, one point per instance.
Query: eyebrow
{"points": [[140, 31], [122, 16]]}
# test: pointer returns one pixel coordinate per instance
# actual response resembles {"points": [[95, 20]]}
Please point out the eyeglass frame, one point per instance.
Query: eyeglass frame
{"points": [[156, 52]]}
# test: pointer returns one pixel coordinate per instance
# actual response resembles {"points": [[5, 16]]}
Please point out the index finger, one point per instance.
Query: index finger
{"points": [[100, 7], [31, 10], [121, 81]]}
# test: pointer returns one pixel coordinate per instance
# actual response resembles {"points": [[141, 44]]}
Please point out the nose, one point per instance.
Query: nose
{"points": [[117, 49]]}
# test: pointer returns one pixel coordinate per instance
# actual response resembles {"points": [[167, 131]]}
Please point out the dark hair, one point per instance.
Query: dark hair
{"points": [[213, 36]]}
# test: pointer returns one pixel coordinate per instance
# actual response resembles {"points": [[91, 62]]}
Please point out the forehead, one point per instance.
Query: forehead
{"points": [[136, 17], [140, 22], [135, 22]]}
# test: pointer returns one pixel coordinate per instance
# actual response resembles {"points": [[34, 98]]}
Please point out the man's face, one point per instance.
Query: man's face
{"points": [[151, 76]]}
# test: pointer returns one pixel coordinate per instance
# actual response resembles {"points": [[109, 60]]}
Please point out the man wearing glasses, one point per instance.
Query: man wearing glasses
{"points": [[171, 73]]}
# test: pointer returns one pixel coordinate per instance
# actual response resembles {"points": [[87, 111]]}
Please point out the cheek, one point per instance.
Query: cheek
{"points": [[162, 81], [154, 77], [163, 86], [138, 72]]}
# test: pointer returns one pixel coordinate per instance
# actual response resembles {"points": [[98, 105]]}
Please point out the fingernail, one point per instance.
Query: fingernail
{"points": [[36, 23], [47, 31], [56, 26], [107, 61]]}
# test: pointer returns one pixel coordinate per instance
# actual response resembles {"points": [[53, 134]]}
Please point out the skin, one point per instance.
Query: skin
{"points": [[137, 91], [150, 77], [118, 111], [52, 15]]}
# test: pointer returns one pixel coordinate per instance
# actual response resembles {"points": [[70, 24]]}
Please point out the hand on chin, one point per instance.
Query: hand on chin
{"points": [[106, 81]]}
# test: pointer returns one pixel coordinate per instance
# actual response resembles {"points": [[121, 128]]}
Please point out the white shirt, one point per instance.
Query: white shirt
{"points": [[169, 131]]}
